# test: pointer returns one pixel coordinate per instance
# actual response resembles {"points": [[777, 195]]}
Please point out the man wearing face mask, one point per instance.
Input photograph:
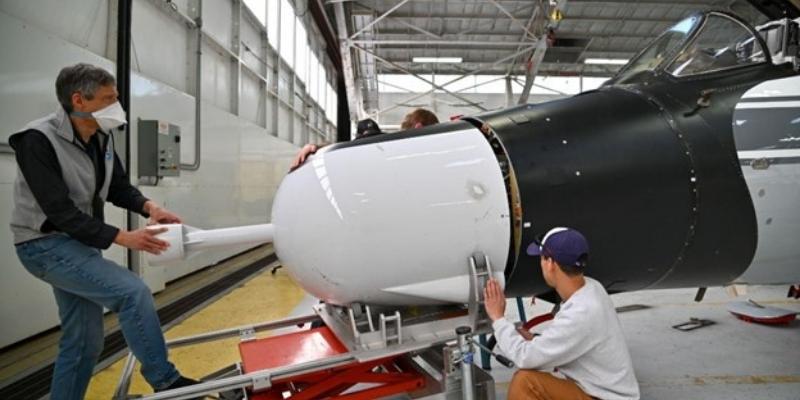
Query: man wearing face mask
{"points": [[67, 171]]}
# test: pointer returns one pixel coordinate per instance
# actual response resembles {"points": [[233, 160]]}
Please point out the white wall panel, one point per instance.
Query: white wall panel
{"points": [[159, 45], [251, 37], [284, 85], [284, 123], [300, 138], [81, 22], [217, 19], [251, 105], [27, 84], [216, 74]]}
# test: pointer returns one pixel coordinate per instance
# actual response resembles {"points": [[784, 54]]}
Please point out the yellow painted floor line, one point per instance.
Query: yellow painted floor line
{"points": [[265, 297]]}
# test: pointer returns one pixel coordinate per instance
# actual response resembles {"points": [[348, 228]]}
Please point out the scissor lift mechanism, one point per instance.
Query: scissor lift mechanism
{"points": [[361, 352]]}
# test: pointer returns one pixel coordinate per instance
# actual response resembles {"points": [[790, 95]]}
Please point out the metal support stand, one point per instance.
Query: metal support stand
{"points": [[407, 351], [480, 272], [465, 355]]}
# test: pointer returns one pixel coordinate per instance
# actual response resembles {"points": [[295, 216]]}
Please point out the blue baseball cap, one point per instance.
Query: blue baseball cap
{"points": [[565, 245]]}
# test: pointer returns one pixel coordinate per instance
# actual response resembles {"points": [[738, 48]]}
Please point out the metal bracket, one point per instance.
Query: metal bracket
{"points": [[247, 333], [262, 382], [398, 320], [353, 323], [359, 318], [369, 318], [480, 272]]}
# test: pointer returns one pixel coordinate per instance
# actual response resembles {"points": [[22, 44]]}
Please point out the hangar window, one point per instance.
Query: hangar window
{"points": [[722, 43]]}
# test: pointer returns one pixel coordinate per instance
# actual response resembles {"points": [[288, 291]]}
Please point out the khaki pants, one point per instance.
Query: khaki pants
{"points": [[536, 385]]}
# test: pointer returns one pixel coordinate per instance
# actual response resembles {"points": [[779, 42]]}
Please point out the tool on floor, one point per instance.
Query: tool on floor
{"points": [[693, 323]]}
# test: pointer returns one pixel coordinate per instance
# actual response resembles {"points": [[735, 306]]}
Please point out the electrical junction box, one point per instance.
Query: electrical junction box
{"points": [[159, 149]]}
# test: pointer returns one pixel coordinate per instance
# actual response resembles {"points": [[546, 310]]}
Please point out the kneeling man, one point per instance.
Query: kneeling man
{"points": [[581, 354]]}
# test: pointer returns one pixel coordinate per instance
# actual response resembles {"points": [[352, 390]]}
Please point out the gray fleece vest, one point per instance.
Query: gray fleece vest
{"points": [[77, 170]]}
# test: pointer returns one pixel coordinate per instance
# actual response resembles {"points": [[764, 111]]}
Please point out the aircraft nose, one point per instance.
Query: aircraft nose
{"points": [[391, 221]]}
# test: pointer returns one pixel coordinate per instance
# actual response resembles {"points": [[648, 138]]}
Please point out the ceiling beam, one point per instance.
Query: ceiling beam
{"points": [[512, 17], [406, 62], [450, 43], [473, 72], [488, 50], [545, 69], [379, 18], [418, 76], [560, 34], [410, 17]]}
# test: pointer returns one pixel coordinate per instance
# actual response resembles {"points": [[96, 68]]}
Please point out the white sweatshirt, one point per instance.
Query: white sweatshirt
{"points": [[584, 342]]}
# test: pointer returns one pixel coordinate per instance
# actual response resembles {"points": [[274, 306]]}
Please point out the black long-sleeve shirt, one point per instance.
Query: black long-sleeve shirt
{"points": [[39, 165]]}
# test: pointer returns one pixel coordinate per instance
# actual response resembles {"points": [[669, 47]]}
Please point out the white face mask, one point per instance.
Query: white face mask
{"points": [[110, 117]]}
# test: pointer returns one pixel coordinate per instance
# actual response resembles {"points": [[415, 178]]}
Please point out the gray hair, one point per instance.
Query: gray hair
{"points": [[82, 78]]}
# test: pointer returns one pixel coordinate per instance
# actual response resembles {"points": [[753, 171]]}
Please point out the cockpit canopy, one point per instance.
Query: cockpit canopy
{"points": [[699, 44]]}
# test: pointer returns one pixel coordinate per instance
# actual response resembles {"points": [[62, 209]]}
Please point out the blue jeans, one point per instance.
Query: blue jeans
{"points": [[83, 283]]}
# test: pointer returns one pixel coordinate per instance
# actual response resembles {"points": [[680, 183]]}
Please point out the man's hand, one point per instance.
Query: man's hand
{"points": [[160, 215], [301, 156], [494, 300], [143, 239]]}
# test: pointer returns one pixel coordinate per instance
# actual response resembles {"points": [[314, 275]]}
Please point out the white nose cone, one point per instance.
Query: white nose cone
{"points": [[394, 222]]}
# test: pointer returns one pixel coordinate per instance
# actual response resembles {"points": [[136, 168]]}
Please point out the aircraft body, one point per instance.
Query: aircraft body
{"points": [[682, 171]]}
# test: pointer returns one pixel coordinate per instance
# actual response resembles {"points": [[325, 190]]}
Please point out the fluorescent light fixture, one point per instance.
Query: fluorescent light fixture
{"points": [[611, 61], [437, 59]]}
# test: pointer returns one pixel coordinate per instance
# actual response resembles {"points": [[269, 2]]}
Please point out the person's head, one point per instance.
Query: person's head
{"points": [[83, 89], [563, 254], [367, 127], [86, 88], [418, 118]]}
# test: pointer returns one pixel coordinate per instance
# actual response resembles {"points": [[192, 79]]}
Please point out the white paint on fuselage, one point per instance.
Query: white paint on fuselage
{"points": [[774, 187], [776, 196], [784, 87]]}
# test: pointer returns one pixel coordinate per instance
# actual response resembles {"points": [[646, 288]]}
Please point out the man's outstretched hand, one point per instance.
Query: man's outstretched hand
{"points": [[494, 300], [145, 239], [301, 156], [159, 215]]}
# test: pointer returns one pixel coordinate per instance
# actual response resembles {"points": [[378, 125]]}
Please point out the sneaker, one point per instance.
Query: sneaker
{"points": [[183, 381]]}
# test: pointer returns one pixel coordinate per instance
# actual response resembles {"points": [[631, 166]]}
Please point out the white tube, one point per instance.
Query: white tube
{"points": [[240, 235], [186, 240]]}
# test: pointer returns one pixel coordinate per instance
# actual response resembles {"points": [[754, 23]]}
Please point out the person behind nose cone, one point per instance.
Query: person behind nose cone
{"points": [[415, 119], [582, 353], [67, 170]]}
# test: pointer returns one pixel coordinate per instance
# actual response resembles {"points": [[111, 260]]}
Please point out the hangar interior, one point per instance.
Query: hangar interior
{"points": [[240, 86]]}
